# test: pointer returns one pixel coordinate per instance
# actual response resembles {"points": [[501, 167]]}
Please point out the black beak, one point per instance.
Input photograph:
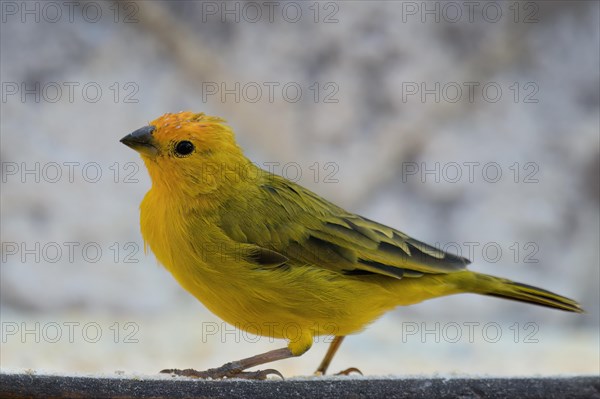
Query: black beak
{"points": [[142, 141]]}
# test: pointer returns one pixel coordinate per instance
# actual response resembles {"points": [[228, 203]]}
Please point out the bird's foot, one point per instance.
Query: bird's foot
{"points": [[225, 371], [349, 371]]}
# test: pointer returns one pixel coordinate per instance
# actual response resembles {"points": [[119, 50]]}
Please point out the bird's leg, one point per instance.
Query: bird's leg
{"points": [[236, 368], [333, 347]]}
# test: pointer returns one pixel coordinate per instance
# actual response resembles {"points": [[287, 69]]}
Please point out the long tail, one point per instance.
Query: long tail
{"points": [[503, 288]]}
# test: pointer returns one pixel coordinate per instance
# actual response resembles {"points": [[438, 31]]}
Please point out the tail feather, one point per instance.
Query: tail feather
{"points": [[507, 289]]}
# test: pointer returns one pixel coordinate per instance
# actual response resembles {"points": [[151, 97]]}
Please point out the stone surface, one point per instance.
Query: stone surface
{"points": [[45, 386]]}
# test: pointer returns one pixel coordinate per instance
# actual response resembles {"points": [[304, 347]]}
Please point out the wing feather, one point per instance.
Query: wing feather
{"points": [[305, 229]]}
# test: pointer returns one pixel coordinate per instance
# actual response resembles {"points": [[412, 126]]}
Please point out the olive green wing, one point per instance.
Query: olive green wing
{"points": [[304, 229]]}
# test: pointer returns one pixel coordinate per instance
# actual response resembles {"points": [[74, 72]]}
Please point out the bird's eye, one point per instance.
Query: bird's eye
{"points": [[184, 148]]}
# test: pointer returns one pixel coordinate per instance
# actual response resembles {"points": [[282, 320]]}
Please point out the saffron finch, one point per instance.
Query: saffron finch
{"points": [[273, 258]]}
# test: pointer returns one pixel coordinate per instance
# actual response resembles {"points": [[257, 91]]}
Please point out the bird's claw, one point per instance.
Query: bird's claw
{"points": [[258, 374], [224, 372], [350, 370]]}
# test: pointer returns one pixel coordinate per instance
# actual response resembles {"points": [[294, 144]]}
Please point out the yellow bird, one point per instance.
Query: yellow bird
{"points": [[271, 257]]}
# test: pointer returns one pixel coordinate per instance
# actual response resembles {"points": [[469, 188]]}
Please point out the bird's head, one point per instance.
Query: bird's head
{"points": [[189, 153]]}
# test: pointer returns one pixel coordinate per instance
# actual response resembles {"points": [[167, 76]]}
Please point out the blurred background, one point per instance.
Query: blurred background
{"points": [[470, 126]]}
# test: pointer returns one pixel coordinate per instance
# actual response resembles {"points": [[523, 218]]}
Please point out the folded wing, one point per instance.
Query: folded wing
{"points": [[309, 231]]}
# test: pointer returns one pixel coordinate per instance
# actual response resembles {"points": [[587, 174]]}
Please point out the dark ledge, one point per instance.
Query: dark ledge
{"points": [[49, 386]]}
